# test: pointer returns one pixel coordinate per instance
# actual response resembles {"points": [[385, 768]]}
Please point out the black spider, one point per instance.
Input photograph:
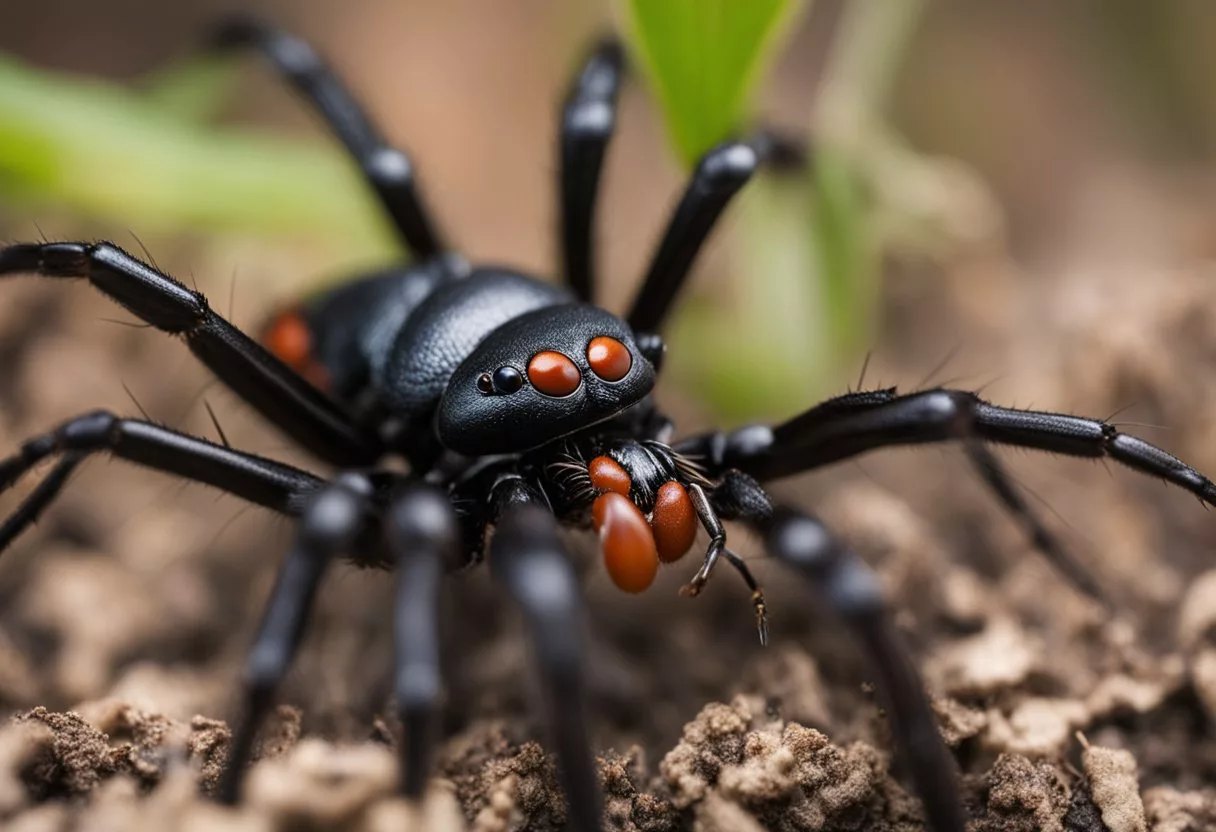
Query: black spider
{"points": [[518, 405]]}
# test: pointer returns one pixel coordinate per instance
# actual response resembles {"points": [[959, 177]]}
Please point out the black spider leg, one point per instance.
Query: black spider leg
{"points": [[265, 482], [852, 425], [528, 558], [288, 401], [423, 537], [327, 528], [43, 495], [717, 548], [1073, 570], [389, 171], [853, 592], [812, 440], [588, 120], [719, 175]]}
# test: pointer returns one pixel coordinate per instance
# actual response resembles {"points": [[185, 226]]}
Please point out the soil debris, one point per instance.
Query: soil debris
{"points": [[1115, 788]]}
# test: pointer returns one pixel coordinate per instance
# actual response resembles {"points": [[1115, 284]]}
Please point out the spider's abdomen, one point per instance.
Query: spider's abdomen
{"points": [[392, 339], [338, 338]]}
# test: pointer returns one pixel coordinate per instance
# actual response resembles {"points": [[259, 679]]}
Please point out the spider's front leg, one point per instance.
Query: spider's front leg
{"points": [[424, 538], [851, 425], [421, 538], [851, 589], [527, 557], [281, 395], [327, 528]]}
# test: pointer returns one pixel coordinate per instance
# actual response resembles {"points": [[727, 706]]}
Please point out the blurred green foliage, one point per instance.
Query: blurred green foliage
{"points": [[144, 159], [801, 303]]}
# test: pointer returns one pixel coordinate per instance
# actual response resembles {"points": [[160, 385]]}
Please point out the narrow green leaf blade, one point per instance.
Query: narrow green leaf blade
{"points": [[703, 57]]}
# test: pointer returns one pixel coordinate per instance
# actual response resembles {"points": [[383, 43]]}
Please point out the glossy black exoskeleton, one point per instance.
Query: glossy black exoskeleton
{"points": [[412, 345], [518, 404]]}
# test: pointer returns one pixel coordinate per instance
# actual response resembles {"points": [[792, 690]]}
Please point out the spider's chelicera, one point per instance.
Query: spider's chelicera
{"points": [[518, 405]]}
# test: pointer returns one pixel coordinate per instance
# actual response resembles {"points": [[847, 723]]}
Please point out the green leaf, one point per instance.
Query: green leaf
{"points": [[127, 159], [846, 250], [193, 90], [703, 57], [756, 351], [800, 308]]}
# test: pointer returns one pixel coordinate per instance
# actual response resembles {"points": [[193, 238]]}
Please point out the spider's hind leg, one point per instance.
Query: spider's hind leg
{"points": [[389, 171], [588, 121]]}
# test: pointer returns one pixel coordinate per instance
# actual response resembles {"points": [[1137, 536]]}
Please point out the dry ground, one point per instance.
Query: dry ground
{"points": [[123, 616]]}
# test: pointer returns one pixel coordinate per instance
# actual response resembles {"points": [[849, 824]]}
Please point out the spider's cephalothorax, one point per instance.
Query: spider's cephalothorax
{"points": [[476, 362], [518, 405]]}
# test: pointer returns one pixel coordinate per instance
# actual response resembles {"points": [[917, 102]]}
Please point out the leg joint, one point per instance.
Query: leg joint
{"points": [[64, 259], [87, 432], [728, 166], [332, 519], [388, 166]]}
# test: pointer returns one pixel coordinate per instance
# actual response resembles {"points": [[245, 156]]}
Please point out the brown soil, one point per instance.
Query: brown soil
{"points": [[125, 613]]}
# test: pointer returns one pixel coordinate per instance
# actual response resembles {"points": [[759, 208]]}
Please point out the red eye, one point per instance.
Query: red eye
{"points": [[609, 358], [553, 374]]}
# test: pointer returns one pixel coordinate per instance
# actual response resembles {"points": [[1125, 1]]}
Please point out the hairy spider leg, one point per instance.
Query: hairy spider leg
{"points": [[389, 171], [422, 536], [1058, 555], [262, 481], [856, 423], [719, 175], [281, 395], [588, 121], [31, 508]]}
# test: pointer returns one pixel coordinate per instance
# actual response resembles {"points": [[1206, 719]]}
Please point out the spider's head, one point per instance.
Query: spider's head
{"points": [[544, 375]]}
